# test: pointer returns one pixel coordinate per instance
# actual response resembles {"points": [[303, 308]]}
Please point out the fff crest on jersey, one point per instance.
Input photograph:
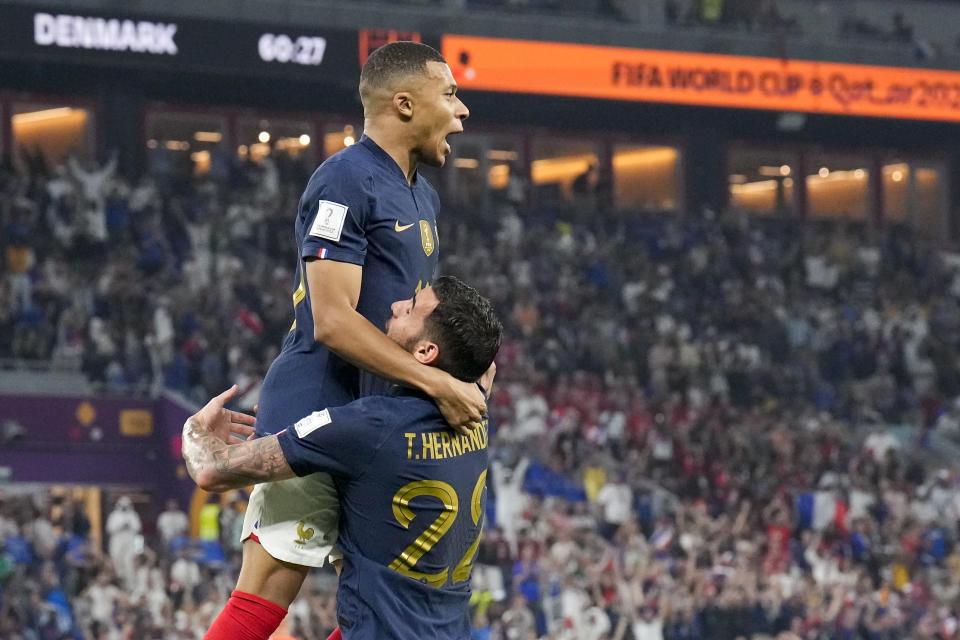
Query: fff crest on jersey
{"points": [[426, 237]]}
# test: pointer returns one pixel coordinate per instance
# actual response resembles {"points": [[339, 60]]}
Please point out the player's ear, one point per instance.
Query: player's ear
{"points": [[403, 103], [426, 352]]}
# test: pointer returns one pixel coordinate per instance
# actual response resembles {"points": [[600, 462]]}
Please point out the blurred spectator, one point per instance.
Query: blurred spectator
{"points": [[508, 485], [123, 527], [172, 523], [616, 498]]}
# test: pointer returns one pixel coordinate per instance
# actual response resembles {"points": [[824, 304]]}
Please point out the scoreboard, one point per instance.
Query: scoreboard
{"points": [[178, 44]]}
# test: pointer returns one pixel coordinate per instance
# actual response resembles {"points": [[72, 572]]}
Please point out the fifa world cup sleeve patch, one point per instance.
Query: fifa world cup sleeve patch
{"points": [[329, 221], [312, 422]]}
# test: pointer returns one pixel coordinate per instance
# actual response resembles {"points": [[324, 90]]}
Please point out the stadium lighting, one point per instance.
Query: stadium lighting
{"points": [[207, 136], [759, 186], [264, 137], [46, 114], [772, 171], [501, 156], [304, 140]]}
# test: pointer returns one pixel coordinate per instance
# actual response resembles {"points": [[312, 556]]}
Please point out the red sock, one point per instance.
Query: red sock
{"points": [[246, 617], [335, 635]]}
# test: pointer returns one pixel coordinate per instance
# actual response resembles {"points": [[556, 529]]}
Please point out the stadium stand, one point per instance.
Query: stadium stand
{"points": [[708, 426]]}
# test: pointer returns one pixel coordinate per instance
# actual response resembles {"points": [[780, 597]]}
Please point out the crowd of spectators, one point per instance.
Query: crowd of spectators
{"points": [[691, 434], [744, 16], [154, 582], [621, 10], [150, 283], [750, 15]]}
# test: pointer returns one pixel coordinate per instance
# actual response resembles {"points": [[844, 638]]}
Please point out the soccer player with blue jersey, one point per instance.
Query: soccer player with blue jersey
{"points": [[411, 489], [366, 236]]}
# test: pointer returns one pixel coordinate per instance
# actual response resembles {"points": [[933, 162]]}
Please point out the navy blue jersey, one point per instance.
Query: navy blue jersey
{"points": [[357, 208], [411, 510]]}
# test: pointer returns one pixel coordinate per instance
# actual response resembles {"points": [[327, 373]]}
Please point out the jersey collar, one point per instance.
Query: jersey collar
{"points": [[384, 159], [403, 390]]}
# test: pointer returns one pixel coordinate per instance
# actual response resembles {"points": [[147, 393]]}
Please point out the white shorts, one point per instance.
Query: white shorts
{"points": [[295, 520]]}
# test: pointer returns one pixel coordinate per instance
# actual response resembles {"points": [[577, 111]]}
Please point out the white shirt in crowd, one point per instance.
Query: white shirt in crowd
{"points": [[596, 624], [648, 629], [102, 597], [531, 411], [616, 499], [185, 572], [173, 523], [879, 443], [510, 498], [123, 525]]}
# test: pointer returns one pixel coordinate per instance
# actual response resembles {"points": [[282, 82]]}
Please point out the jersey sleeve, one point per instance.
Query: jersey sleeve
{"points": [[340, 441], [334, 211]]}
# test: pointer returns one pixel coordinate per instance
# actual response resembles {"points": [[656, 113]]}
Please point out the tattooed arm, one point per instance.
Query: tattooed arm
{"points": [[216, 466], [218, 460]]}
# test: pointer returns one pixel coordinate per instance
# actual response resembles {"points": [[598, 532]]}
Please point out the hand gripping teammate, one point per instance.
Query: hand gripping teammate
{"points": [[411, 490], [366, 236]]}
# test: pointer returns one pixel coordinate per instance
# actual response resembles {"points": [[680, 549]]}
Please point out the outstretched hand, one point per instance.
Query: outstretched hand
{"points": [[225, 424]]}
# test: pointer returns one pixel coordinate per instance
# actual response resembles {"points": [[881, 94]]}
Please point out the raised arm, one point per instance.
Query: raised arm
{"points": [[334, 292], [218, 460]]}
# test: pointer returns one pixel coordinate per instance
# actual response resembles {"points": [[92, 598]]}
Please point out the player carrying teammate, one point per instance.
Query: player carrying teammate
{"points": [[412, 491], [366, 236]]}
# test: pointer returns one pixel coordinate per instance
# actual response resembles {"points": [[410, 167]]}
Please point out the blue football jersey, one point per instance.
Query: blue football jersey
{"points": [[412, 499], [357, 208]]}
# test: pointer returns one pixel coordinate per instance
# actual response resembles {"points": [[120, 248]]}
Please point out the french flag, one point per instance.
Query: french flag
{"points": [[662, 538], [819, 509]]}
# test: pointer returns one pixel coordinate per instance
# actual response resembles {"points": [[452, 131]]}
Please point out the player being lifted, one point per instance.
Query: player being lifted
{"points": [[366, 236], [411, 490]]}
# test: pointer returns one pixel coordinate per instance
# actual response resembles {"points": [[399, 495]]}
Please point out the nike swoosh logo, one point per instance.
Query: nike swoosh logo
{"points": [[398, 228]]}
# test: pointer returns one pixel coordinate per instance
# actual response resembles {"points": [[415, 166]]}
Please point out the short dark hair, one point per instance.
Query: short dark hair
{"points": [[394, 60], [465, 328]]}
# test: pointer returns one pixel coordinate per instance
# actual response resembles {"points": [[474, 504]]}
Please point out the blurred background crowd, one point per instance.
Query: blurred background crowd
{"points": [[707, 426], [771, 17]]}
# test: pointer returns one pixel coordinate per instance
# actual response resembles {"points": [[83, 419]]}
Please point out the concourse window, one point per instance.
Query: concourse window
{"points": [[762, 181], [504, 168], [896, 191], [838, 186], [259, 137], [914, 193], [340, 136], [185, 144], [486, 170], [645, 178], [468, 185], [565, 172], [931, 199], [52, 130]]}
